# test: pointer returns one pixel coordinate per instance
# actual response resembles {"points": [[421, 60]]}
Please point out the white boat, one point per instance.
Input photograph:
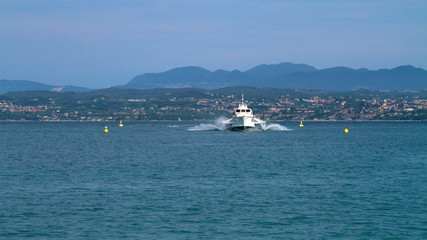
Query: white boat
{"points": [[243, 119]]}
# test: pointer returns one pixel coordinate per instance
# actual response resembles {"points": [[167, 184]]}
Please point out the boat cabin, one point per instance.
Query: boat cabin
{"points": [[243, 111]]}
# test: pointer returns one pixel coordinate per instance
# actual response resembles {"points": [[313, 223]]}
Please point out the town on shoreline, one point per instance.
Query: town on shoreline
{"points": [[197, 105]]}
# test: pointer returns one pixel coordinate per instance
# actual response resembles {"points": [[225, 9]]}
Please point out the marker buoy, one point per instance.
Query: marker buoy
{"points": [[121, 124], [301, 124], [345, 130], [106, 129]]}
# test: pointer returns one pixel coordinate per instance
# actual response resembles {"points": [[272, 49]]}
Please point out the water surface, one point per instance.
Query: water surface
{"points": [[163, 181]]}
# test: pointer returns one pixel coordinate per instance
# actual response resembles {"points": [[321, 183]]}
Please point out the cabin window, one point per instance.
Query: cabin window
{"points": [[237, 110], [247, 110]]}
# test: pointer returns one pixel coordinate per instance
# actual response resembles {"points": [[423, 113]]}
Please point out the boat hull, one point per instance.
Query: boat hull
{"points": [[242, 124], [244, 128]]}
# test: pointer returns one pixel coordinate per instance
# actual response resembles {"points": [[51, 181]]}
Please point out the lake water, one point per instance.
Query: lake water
{"points": [[180, 181]]}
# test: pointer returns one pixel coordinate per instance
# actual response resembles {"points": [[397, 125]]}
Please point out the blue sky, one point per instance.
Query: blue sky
{"points": [[101, 43]]}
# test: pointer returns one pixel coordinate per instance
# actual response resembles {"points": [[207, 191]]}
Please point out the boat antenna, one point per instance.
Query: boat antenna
{"points": [[242, 98]]}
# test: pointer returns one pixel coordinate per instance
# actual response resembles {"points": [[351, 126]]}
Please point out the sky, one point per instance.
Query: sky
{"points": [[102, 43]]}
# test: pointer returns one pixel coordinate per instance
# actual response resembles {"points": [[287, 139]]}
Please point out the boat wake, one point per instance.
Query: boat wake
{"points": [[218, 126], [274, 127], [206, 127], [215, 126]]}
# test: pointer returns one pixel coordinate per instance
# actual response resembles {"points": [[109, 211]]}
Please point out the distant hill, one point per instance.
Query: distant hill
{"points": [[114, 104], [24, 85], [166, 94], [272, 70], [186, 77], [286, 75]]}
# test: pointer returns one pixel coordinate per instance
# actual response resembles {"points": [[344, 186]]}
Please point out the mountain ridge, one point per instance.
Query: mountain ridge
{"points": [[281, 75], [288, 75]]}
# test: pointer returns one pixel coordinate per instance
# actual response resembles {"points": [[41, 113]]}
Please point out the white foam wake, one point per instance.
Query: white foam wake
{"points": [[218, 126], [274, 127], [205, 127]]}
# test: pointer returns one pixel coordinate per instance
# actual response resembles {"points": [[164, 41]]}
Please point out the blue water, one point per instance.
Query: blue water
{"points": [[163, 181]]}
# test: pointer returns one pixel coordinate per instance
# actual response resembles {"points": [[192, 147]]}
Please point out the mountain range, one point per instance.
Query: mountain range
{"points": [[287, 75], [282, 75]]}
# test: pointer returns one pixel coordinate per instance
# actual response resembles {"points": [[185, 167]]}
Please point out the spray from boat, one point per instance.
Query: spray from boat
{"points": [[274, 127], [218, 125]]}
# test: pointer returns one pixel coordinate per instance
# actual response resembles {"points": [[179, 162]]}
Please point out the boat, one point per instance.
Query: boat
{"points": [[243, 119]]}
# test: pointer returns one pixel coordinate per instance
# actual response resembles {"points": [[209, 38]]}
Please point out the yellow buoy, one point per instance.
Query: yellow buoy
{"points": [[345, 130], [106, 129], [121, 124], [301, 124]]}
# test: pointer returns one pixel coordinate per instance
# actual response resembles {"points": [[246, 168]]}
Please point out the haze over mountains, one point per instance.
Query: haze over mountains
{"points": [[24, 85], [283, 75]]}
